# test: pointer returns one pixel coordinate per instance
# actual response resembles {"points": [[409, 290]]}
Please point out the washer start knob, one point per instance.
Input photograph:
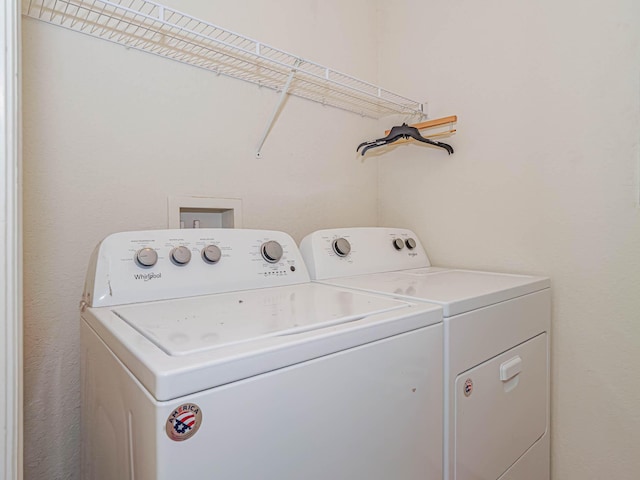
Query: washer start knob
{"points": [[411, 243], [146, 257], [341, 246], [271, 251], [181, 255], [398, 244], [211, 254]]}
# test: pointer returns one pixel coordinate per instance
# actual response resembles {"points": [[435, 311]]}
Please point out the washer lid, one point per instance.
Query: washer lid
{"points": [[187, 326], [457, 291], [178, 347]]}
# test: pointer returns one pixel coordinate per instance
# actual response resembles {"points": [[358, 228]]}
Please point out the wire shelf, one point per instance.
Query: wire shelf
{"points": [[154, 28]]}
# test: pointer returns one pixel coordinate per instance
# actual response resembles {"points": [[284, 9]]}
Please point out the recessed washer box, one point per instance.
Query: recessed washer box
{"points": [[204, 212]]}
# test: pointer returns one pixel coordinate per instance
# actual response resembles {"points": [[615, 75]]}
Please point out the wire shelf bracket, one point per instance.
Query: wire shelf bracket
{"points": [[154, 28]]}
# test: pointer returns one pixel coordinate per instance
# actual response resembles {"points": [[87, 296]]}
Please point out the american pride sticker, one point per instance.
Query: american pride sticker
{"points": [[184, 422]]}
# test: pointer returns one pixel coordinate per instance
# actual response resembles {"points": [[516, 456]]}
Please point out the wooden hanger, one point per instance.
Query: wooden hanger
{"points": [[436, 122], [404, 133]]}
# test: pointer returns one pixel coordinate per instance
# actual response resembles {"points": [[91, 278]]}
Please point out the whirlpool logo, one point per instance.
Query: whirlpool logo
{"points": [[147, 276]]}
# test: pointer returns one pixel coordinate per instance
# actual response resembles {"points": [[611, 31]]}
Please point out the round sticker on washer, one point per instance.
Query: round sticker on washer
{"points": [[184, 422], [468, 387]]}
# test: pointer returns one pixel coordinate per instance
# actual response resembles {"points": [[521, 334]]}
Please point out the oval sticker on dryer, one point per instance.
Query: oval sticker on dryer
{"points": [[468, 387]]}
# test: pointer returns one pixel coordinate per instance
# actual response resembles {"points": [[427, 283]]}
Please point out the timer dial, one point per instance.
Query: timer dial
{"points": [[411, 243], [271, 251], [341, 246], [398, 244]]}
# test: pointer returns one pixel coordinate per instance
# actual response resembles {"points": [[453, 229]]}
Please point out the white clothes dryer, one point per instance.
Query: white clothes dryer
{"points": [[209, 354], [496, 344]]}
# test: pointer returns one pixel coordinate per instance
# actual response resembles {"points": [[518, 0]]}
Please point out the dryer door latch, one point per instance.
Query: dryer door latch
{"points": [[510, 368]]}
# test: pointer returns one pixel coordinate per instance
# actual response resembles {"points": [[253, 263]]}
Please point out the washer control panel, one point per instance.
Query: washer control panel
{"points": [[357, 251], [131, 267]]}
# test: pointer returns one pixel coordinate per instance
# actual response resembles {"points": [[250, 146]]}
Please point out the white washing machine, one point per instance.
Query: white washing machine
{"points": [[496, 341], [209, 354]]}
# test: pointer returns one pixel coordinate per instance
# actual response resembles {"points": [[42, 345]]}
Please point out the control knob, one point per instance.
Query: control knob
{"points": [[411, 243], [211, 254], [341, 246], [271, 251], [181, 255], [398, 244], [146, 257]]}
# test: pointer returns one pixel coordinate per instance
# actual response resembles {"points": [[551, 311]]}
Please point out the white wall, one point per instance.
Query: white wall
{"points": [[544, 180], [110, 133]]}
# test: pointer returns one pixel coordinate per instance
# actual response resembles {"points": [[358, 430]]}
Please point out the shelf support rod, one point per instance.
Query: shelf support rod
{"points": [[274, 115]]}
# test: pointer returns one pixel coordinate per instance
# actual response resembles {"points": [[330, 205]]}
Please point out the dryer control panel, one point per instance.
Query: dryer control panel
{"points": [[357, 251], [131, 267]]}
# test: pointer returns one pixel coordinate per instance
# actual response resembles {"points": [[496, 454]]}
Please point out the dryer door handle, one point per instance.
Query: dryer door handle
{"points": [[510, 368]]}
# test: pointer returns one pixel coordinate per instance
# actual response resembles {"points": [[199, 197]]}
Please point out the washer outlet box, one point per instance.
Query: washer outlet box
{"points": [[204, 212]]}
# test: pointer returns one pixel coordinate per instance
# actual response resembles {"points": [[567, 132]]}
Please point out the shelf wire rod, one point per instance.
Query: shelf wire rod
{"points": [[99, 14], [204, 27], [138, 42], [125, 33], [64, 13], [76, 18], [117, 26], [104, 27], [111, 18], [283, 96], [185, 45], [206, 64], [96, 24], [169, 17], [201, 53], [146, 36], [196, 25], [186, 54], [357, 100], [229, 34], [130, 22], [193, 50], [53, 11], [84, 22], [73, 14]]}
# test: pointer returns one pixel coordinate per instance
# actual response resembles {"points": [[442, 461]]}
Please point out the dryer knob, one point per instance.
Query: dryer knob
{"points": [[181, 255], [411, 243], [146, 257], [342, 247], [271, 251], [398, 244], [211, 254]]}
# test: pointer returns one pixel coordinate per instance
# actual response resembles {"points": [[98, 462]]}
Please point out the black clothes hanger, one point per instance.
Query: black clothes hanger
{"points": [[402, 131]]}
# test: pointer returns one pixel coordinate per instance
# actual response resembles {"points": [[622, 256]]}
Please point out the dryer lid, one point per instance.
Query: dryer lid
{"points": [[457, 291]]}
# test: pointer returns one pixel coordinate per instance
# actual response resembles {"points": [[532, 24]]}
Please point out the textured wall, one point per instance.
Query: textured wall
{"points": [[110, 133], [544, 180]]}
